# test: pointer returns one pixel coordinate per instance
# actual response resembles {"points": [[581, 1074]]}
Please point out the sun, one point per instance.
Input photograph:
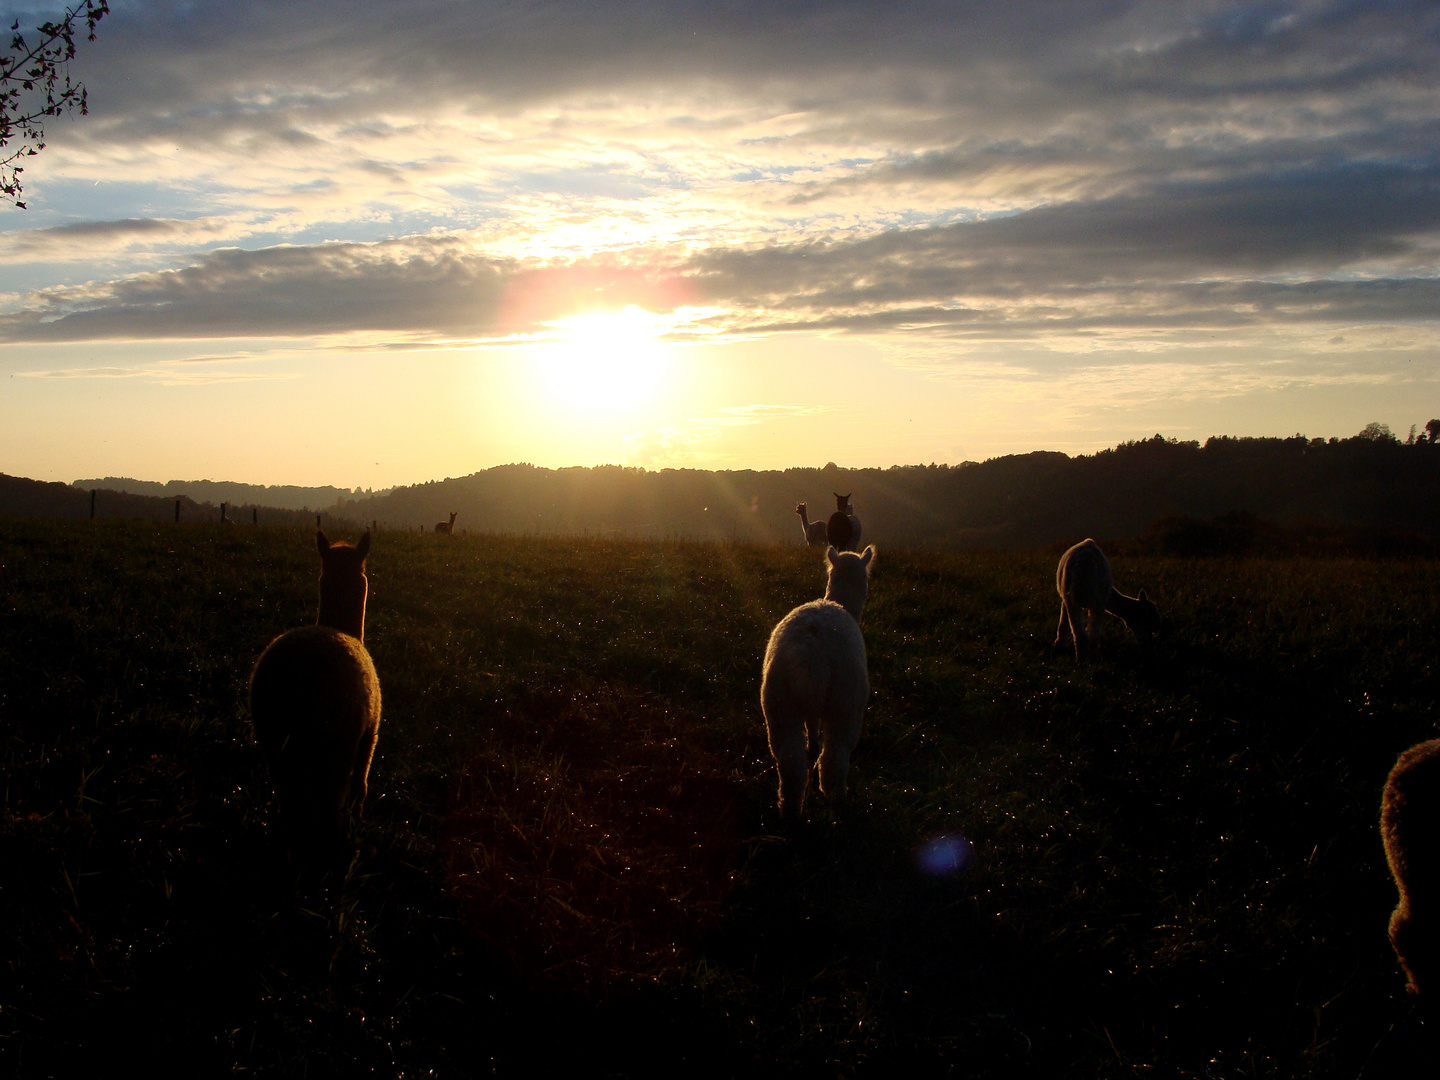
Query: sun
{"points": [[610, 361]]}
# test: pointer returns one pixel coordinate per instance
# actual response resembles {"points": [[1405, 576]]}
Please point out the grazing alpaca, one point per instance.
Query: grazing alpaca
{"points": [[315, 703], [447, 527], [816, 683], [1083, 580], [814, 530], [842, 506], [1410, 824]]}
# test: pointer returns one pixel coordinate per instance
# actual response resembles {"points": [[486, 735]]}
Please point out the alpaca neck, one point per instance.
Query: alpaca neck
{"points": [[1127, 607], [343, 613], [852, 599]]}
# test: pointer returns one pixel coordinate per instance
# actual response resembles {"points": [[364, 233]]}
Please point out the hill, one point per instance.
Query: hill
{"points": [[1011, 503], [1370, 493]]}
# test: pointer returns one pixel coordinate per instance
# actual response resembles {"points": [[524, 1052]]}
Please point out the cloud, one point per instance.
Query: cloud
{"points": [[165, 376], [974, 171], [82, 241], [1351, 244]]}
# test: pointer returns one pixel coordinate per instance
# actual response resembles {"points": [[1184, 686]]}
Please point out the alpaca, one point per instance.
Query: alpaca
{"points": [[842, 506], [816, 683], [315, 703], [1083, 580], [1410, 825], [814, 530], [838, 531], [447, 527]]}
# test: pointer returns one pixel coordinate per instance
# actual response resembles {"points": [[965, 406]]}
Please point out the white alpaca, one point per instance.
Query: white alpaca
{"points": [[447, 527], [315, 703], [816, 683], [842, 505], [1083, 580], [814, 530]]}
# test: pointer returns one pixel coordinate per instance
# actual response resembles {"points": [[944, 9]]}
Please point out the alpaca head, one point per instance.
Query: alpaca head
{"points": [[849, 579], [1145, 622], [801, 510], [842, 502], [343, 584]]}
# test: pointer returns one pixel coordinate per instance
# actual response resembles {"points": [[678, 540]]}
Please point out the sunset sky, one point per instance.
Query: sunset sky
{"points": [[387, 241]]}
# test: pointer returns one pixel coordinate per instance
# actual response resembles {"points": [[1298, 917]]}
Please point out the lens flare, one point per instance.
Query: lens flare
{"points": [[944, 856]]}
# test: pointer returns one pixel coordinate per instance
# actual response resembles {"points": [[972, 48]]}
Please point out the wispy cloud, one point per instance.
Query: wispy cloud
{"points": [[168, 375]]}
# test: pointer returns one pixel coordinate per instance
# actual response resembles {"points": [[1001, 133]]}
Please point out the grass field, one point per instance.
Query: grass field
{"points": [[571, 851]]}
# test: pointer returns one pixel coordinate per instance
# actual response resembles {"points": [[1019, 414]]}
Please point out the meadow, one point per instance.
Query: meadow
{"points": [[571, 854]]}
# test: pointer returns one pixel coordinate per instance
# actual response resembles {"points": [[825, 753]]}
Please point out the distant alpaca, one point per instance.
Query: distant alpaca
{"points": [[814, 530], [816, 684], [315, 703], [447, 527], [1083, 580], [1410, 825], [838, 531], [842, 506]]}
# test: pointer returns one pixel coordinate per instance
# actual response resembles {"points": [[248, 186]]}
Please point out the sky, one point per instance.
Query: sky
{"points": [[388, 241]]}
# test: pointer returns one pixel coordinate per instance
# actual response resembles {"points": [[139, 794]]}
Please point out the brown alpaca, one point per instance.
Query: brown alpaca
{"points": [[447, 527], [838, 531], [1410, 825], [842, 506], [315, 703]]}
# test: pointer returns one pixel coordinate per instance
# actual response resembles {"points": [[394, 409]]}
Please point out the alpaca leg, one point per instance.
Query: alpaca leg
{"points": [[1077, 632], [788, 748], [835, 767], [360, 776], [842, 733], [1064, 618]]}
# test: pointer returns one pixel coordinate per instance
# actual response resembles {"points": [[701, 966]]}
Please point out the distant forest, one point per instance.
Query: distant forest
{"points": [[1371, 492], [20, 497], [1229, 493], [214, 492]]}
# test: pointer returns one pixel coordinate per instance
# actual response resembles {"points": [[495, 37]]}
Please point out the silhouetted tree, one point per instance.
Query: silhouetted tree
{"points": [[1376, 432], [36, 67], [1433, 428]]}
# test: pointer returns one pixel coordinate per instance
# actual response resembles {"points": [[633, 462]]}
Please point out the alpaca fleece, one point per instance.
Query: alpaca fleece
{"points": [[315, 704], [1410, 826], [816, 684], [1084, 582]]}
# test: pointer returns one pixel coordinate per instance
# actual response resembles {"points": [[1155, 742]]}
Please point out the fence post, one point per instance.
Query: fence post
{"points": [[92, 504], [317, 521]]}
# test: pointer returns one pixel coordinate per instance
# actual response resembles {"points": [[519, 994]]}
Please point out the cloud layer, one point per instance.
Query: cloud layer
{"points": [[961, 171]]}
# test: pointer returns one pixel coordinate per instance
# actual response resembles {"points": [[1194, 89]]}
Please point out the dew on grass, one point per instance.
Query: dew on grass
{"points": [[944, 855]]}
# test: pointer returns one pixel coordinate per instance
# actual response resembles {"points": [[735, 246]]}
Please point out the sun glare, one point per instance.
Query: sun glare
{"points": [[611, 361]]}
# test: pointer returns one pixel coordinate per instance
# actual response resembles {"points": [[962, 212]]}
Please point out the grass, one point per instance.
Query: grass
{"points": [[571, 851]]}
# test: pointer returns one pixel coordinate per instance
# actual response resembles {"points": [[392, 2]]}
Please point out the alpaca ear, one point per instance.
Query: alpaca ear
{"points": [[1142, 595], [831, 554], [869, 554], [321, 544], [362, 548]]}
